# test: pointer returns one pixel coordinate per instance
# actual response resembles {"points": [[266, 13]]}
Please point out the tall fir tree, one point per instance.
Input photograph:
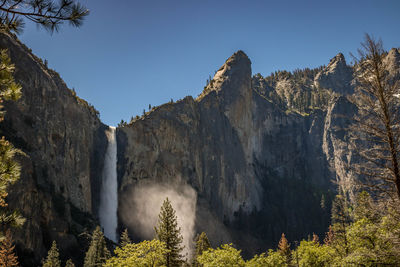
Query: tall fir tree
{"points": [[97, 253], [53, 257], [167, 231], [284, 247], [329, 236], [341, 220], [202, 244], [7, 255], [124, 239]]}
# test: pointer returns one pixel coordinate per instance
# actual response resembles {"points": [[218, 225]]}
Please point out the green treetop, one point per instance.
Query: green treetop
{"points": [[144, 254], [202, 244], [167, 231], [226, 255], [124, 239], [53, 259], [98, 252]]}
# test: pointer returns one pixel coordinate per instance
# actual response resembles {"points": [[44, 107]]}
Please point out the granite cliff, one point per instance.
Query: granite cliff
{"points": [[260, 152], [64, 143]]}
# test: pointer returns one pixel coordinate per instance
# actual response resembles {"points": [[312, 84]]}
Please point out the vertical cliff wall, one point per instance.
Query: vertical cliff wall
{"points": [[260, 154], [258, 170], [64, 143]]}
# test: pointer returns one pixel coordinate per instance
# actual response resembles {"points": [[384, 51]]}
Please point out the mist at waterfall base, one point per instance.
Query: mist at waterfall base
{"points": [[140, 207], [109, 189]]}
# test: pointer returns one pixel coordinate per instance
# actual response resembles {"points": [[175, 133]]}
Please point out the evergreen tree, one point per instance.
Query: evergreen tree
{"points": [[202, 244], [341, 219], [97, 253], [69, 263], [9, 168], [284, 247], [167, 231], [124, 239], [7, 255], [53, 259], [46, 13], [329, 236]]}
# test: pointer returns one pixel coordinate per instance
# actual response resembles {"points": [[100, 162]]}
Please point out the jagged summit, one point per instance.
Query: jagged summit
{"points": [[337, 62], [235, 70], [393, 61], [336, 76], [237, 57]]}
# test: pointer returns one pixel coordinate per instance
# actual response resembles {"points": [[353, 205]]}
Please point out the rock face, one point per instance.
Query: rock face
{"points": [[64, 143], [257, 169], [261, 153], [336, 76]]}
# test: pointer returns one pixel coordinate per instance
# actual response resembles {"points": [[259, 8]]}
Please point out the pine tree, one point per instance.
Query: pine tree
{"points": [[7, 255], [46, 13], [69, 263], [9, 168], [53, 259], [202, 244], [97, 253], [284, 247], [167, 231], [341, 220], [329, 236], [124, 239]]}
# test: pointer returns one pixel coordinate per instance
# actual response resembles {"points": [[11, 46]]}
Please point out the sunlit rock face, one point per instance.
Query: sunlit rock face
{"points": [[64, 143], [258, 170], [242, 166], [336, 76]]}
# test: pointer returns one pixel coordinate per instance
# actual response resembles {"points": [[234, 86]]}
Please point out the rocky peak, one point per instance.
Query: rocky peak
{"points": [[338, 62], [337, 76], [393, 61], [231, 75]]}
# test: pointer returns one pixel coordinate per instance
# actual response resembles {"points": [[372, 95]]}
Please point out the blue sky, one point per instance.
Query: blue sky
{"points": [[129, 54]]}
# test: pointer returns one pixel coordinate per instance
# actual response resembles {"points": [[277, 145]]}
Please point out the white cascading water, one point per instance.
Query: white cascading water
{"points": [[109, 189]]}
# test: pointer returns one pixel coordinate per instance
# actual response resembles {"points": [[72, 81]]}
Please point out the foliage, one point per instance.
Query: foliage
{"points": [[329, 236], [125, 240], [202, 244], [47, 13], [375, 132], [7, 255], [146, 253], [167, 231], [284, 247], [53, 255], [97, 253], [341, 219], [310, 253], [69, 263], [299, 93], [9, 89], [9, 169], [274, 258], [226, 255]]}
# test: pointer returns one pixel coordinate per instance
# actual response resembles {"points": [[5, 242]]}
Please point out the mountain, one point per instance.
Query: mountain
{"points": [[64, 145], [261, 154]]}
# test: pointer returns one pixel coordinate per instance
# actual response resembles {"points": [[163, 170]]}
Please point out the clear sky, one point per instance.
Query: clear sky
{"points": [[129, 53]]}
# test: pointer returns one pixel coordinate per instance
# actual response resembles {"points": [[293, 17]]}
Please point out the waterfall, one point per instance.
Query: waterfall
{"points": [[109, 189]]}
